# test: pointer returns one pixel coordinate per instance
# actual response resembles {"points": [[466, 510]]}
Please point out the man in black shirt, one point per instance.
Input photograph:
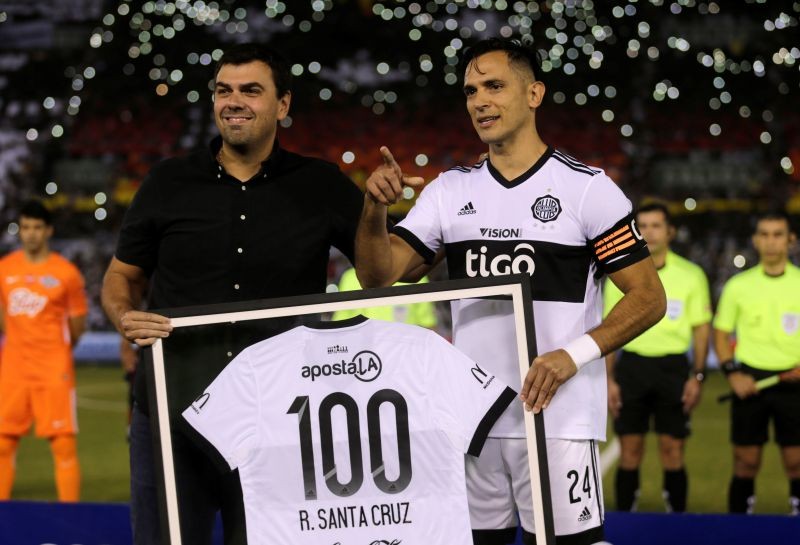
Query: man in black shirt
{"points": [[243, 220]]}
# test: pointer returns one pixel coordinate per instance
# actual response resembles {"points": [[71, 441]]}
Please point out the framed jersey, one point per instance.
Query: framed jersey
{"points": [[318, 431]]}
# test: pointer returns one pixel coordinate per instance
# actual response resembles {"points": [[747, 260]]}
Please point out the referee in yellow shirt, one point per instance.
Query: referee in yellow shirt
{"points": [[651, 376], [761, 306]]}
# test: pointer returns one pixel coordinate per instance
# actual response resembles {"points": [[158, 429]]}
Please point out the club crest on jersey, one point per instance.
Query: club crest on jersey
{"points": [[791, 323], [366, 367], [49, 281], [546, 208]]}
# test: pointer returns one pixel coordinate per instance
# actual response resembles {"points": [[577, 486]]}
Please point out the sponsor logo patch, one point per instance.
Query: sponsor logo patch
{"points": [[366, 366], [200, 402], [49, 281], [24, 301], [500, 264], [546, 208], [467, 209], [494, 232]]}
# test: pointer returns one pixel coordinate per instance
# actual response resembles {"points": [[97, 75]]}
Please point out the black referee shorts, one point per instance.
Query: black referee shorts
{"points": [[652, 387], [750, 417]]}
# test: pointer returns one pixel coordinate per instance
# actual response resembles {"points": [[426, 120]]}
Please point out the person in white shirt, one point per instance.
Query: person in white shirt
{"points": [[525, 208]]}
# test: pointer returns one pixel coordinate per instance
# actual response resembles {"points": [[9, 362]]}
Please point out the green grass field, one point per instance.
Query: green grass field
{"points": [[104, 454]]}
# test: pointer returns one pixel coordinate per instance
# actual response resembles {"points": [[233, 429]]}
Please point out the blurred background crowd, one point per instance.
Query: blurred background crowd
{"points": [[690, 102]]}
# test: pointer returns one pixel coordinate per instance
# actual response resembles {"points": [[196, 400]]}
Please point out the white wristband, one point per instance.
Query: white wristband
{"points": [[583, 350]]}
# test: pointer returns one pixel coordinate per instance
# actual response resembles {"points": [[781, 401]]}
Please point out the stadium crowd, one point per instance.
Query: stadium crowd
{"points": [[84, 148]]}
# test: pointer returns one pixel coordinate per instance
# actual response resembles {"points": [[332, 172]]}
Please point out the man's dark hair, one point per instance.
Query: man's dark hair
{"points": [[34, 209], [656, 207], [518, 53], [250, 52], [776, 214]]}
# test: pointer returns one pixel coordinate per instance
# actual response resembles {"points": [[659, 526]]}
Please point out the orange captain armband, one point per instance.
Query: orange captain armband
{"points": [[620, 246]]}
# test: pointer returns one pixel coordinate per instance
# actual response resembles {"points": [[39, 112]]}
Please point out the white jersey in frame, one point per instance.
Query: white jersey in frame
{"points": [[351, 434], [562, 222]]}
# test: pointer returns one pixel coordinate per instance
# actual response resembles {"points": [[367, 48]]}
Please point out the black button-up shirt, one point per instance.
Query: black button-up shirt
{"points": [[205, 237]]}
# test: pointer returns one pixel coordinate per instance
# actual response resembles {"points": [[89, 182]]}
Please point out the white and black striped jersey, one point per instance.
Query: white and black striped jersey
{"points": [[351, 432], [562, 222]]}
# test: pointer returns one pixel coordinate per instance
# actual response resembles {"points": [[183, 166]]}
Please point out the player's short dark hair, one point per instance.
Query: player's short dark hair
{"points": [[518, 53], [35, 209], [776, 214], [656, 207], [250, 52]]}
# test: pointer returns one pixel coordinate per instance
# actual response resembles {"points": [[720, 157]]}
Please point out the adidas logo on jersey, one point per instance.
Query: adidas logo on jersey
{"points": [[467, 209], [491, 232], [585, 515]]}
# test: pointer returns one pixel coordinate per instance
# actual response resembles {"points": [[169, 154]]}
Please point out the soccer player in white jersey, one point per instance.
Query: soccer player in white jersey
{"points": [[526, 208]]}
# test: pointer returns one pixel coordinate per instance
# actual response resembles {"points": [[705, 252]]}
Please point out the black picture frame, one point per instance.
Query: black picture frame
{"points": [[162, 414]]}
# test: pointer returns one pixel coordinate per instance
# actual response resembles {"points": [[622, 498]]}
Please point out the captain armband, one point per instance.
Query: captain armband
{"points": [[619, 246]]}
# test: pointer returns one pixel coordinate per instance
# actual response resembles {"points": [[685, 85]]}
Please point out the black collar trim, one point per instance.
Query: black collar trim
{"points": [[338, 324], [522, 177]]}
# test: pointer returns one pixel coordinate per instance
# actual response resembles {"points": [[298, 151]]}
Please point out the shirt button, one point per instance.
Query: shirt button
{"points": [[244, 188], [239, 250], [242, 217], [236, 286], [219, 175]]}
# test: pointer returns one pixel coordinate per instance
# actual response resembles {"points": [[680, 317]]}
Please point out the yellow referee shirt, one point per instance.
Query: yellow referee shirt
{"points": [[421, 314], [764, 311], [688, 305]]}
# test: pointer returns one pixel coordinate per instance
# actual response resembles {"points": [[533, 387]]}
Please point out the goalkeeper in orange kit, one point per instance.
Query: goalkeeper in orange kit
{"points": [[43, 313]]}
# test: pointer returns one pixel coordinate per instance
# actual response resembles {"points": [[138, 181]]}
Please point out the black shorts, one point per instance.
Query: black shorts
{"points": [[652, 387], [750, 417]]}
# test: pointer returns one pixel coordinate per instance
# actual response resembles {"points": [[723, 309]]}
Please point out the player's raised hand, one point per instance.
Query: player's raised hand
{"points": [[548, 372], [385, 184], [144, 328]]}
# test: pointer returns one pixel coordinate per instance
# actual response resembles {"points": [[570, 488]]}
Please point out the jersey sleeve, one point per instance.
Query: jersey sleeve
{"points": [[611, 227], [422, 227], [345, 205], [227, 412], [139, 235], [466, 398], [77, 305], [699, 304], [727, 308]]}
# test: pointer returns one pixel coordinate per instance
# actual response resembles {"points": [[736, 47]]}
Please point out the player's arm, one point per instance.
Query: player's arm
{"points": [[614, 393], [383, 258], [77, 327], [642, 305], [692, 389], [742, 384], [122, 293]]}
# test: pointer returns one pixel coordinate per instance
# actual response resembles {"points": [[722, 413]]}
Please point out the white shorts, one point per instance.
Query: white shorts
{"points": [[498, 486]]}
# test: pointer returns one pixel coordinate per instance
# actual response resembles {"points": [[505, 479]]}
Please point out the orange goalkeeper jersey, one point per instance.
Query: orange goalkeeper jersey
{"points": [[37, 299]]}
